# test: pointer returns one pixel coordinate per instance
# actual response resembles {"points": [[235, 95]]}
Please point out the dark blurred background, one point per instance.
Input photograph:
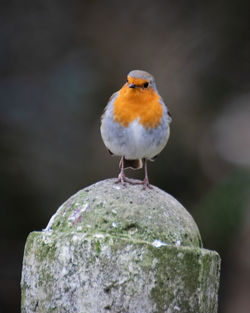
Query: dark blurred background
{"points": [[60, 62]]}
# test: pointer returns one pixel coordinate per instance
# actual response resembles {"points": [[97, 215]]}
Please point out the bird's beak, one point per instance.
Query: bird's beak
{"points": [[131, 85]]}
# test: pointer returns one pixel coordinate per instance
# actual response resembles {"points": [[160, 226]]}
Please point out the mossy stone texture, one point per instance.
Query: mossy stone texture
{"points": [[114, 248]]}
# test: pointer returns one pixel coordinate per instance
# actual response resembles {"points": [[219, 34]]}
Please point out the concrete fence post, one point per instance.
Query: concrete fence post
{"points": [[119, 249]]}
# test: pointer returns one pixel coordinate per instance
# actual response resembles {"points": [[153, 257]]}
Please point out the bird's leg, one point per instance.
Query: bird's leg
{"points": [[121, 176], [145, 182], [123, 179]]}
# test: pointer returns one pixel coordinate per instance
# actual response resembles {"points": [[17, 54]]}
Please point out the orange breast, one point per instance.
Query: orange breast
{"points": [[132, 103]]}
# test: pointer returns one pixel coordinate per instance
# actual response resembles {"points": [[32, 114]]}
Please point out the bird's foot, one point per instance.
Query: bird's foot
{"points": [[122, 179], [145, 183]]}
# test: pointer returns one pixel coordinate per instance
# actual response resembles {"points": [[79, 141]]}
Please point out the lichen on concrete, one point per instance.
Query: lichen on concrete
{"points": [[114, 248], [128, 211]]}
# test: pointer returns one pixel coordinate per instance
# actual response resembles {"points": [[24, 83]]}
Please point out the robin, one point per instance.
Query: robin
{"points": [[135, 124]]}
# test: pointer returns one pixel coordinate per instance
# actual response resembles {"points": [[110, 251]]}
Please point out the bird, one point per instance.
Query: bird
{"points": [[135, 124]]}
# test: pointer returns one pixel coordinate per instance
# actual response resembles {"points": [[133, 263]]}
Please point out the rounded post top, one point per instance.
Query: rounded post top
{"points": [[150, 215]]}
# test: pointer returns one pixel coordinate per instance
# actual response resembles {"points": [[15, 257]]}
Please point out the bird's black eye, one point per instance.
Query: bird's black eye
{"points": [[145, 85]]}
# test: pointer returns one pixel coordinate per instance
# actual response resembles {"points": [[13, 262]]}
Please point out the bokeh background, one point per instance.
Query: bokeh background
{"points": [[60, 62]]}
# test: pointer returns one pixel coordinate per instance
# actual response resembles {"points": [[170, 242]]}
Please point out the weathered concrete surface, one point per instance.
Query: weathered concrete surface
{"points": [[113, 248]]}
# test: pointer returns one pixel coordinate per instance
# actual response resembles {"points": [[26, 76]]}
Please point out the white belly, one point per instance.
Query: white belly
{"points": [[134, 141]]}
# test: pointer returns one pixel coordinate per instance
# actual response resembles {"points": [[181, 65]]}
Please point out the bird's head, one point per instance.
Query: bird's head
{"points": [[142, 81]]}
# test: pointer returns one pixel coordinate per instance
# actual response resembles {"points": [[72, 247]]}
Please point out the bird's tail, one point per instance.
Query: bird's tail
{"points": [[134, 164]]}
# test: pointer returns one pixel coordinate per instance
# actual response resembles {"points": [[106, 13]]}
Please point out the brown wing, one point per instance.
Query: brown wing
{"points": [[153, 158], [169, 117], [110, 99], [110, 152]]}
